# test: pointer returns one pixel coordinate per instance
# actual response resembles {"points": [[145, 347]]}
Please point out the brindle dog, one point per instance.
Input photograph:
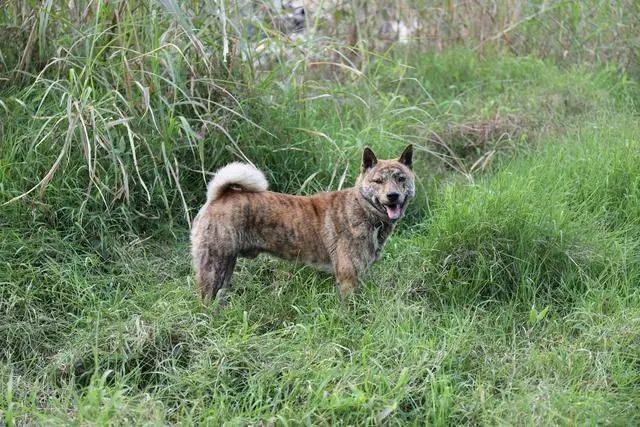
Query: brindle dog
{"points": [[341, 232]]}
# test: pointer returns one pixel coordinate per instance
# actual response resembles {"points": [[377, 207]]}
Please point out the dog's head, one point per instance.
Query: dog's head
{"points": [[387, 185]]}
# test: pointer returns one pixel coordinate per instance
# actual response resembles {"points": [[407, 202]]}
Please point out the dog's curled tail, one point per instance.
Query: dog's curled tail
{"points": [[236, 174]]}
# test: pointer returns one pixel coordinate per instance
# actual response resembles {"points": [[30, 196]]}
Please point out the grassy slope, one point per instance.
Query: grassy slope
{"points": [[513, 299]]}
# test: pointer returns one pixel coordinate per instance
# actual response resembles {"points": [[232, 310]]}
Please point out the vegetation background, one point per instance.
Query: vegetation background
{"points": [[509, 294]]}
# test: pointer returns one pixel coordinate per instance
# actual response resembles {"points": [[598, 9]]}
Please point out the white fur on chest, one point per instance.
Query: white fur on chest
{"points": [[376, 245], [376, 240]]}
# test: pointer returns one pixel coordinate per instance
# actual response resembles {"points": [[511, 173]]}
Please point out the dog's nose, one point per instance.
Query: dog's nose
{"points": [[393, 197]]}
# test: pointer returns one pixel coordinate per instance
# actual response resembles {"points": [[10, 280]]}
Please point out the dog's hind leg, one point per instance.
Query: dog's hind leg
{"points": [[213, 275]]}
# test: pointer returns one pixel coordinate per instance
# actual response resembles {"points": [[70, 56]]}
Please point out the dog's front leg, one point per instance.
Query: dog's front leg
{"points": [[346, 272], [347, 283]]}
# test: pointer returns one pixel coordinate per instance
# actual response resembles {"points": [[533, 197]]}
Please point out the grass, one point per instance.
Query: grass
{"points": [[508, 295], [512, 297]]}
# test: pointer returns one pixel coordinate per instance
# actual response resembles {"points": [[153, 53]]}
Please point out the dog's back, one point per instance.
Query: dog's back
{"points": [[249, 222]]}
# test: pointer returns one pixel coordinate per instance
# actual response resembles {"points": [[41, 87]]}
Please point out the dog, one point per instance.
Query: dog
{"points": [[340, 232]]}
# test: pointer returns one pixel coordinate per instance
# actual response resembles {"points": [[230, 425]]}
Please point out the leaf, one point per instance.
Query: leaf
{"points": [[533, 316], [543, 314]]}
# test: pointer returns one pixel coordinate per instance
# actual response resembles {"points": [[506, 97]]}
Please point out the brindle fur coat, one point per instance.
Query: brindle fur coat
{"points": [[341, 232]]}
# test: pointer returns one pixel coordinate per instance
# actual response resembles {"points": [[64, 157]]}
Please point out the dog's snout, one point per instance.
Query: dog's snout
{"points": [[393, 196]]}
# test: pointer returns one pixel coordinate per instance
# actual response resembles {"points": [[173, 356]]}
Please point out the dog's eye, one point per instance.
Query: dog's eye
{"points": [[377, 181], [402, 178]]}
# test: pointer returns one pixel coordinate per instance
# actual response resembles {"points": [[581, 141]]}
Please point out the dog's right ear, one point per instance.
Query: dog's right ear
{"points": [[369, 159]]}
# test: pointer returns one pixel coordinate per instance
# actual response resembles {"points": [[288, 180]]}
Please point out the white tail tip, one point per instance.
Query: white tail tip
{"points": [[236, 174]]}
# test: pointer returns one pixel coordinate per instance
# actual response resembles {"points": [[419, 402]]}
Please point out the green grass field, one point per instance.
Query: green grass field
{"points": [[508, 295]]}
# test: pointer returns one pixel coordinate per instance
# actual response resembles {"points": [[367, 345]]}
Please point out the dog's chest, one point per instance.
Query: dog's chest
{"points": [[377, 240]]}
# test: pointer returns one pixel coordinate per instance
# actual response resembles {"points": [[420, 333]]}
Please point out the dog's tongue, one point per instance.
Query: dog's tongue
{"points": [[393, 211]]}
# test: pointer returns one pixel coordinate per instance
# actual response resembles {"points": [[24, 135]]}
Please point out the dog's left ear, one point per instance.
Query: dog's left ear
{"points": [[406, 158]]}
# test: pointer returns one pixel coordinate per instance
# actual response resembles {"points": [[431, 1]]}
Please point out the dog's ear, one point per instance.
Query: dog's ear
{"points": [[406, 158], [369, 159]]}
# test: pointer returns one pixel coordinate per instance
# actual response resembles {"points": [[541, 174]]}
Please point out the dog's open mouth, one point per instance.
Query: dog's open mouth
{"points": [[394, 210]]}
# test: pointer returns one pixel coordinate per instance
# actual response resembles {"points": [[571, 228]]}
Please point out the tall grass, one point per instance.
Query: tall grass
{"points": [[592, 31], [129, 85], [152, 96]]}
